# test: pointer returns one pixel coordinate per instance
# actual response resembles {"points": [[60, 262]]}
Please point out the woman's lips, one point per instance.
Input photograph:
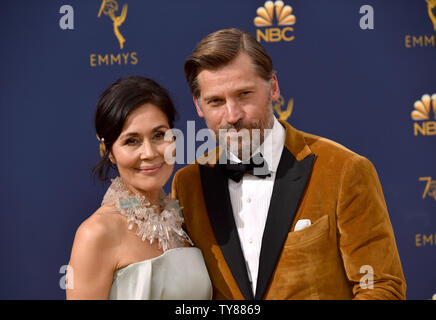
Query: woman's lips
{"points": [[149, 169]]}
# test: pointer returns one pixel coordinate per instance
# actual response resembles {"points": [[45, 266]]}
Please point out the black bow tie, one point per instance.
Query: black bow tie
{"points": [[257, 167]]}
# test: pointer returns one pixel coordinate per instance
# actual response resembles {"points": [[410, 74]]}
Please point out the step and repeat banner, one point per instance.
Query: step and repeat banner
{"points": [[360, 72]]}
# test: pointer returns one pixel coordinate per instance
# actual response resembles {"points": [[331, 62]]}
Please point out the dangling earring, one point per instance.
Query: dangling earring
{"points": [[102, 149], [102, 146]]}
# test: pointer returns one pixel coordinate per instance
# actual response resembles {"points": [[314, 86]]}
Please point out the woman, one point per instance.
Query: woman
{"points": [[133, 246]]}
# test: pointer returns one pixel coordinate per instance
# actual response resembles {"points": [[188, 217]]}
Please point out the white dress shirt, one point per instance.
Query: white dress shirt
{"points": [[251, 197]]}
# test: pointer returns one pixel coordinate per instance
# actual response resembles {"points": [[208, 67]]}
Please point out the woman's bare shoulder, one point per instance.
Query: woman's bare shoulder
{"points": [[95, 254], [104, 228]]}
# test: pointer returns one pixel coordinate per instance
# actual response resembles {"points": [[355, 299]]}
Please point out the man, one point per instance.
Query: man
{"points": [[313, 226]]}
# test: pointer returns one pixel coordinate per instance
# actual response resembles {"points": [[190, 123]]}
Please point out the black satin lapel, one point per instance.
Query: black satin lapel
{"points": [[219, 208], [290, 182]]}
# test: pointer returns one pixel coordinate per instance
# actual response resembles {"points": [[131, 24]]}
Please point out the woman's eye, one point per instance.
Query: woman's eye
{"points": [[159, 135], [131, 141]]}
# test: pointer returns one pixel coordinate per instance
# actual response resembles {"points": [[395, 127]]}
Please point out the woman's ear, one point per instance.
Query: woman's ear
{"points": [[112, 158]]}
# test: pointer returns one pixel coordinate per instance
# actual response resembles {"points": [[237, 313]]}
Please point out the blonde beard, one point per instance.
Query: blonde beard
{"points": [[245, 144]]}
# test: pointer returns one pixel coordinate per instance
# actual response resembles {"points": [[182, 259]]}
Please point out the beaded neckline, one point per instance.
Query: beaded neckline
{"points": [[165, 227]]}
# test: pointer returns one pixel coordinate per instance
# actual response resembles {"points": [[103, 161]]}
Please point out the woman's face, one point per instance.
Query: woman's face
{"points": [[139, 150]]}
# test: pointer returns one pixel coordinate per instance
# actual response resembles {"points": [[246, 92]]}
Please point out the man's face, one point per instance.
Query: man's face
{"points": [[234, 97]]}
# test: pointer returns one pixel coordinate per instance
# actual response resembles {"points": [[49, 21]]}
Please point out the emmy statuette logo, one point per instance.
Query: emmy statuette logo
{"points": [[108, 8], [283, 113], [265, 19], [424, 40], [431, 4]]}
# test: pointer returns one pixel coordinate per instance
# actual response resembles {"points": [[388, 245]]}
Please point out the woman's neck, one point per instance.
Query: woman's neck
{"points": [[152, 196]]}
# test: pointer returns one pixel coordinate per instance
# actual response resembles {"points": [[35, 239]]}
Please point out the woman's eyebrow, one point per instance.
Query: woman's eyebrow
{"points": [[130, 134]]}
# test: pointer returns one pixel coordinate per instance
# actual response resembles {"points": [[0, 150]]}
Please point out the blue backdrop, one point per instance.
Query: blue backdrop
{"points": [[355, 86]]}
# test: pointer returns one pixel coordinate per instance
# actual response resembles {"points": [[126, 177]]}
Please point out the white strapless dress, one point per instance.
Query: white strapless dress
{"points": [[177, 274]]}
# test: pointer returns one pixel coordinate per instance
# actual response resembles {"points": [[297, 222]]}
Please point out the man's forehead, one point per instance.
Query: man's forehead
{"points": [[225, 75], [230, 77], [241, 61], [217, 85]]}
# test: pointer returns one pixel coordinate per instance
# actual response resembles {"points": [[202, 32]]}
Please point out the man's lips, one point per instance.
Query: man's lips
{"points": [[232, 132], [242, 132]]}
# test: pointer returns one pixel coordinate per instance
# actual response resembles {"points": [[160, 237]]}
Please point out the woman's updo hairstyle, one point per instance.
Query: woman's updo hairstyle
{"points": [[115, 105]]}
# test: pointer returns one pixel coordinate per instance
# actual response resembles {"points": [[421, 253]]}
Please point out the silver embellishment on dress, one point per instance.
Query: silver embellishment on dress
{"points": [[166, 226]]}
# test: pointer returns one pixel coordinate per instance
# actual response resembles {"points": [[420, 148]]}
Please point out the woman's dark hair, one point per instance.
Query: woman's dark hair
{"points": [[115, 105]]}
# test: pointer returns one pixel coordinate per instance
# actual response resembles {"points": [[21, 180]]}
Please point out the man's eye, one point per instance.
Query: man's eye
{"points": [[214, 102], [246, 93]]}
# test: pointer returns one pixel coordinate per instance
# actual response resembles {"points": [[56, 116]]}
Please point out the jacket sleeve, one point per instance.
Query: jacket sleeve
{"points": [[366, 238]]}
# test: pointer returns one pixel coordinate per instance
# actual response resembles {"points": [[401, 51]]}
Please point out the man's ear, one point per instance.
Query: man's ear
{"points": [[275, 89], [198, 107]]}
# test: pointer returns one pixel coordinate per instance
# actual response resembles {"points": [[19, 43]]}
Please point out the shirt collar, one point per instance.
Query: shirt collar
{"points": [[272, 146]]}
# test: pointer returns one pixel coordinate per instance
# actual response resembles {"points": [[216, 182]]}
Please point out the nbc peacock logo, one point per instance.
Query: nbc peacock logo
{"points": [[422, 115], [274, 13]]}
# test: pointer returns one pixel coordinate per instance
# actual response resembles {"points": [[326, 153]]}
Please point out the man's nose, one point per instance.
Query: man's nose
{"points": [[234, 112]]}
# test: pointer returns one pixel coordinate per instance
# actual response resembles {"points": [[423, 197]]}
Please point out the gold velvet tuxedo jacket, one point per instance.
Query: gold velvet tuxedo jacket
{"points": [[350, 241]]}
